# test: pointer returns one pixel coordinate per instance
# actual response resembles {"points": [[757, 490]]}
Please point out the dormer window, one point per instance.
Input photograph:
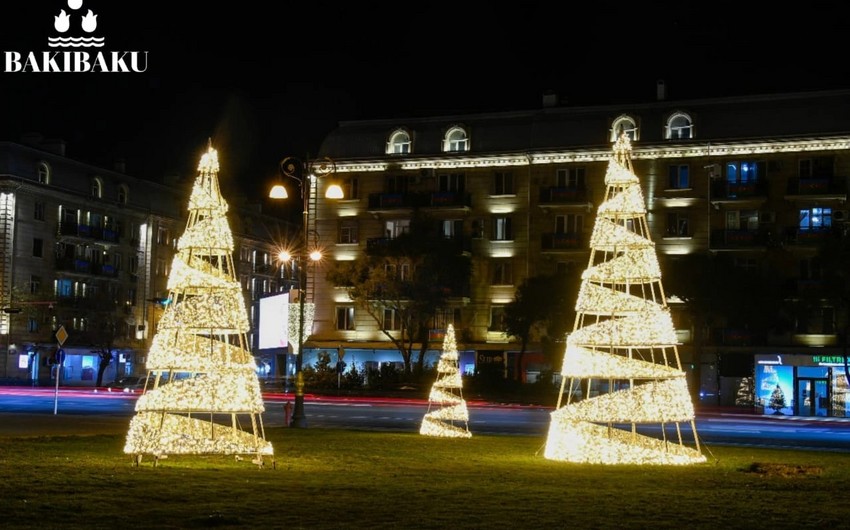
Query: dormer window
{"points": [[43, 173], [624, 124], [679, 127], [399, 143], [96, 188], [456, 140]]}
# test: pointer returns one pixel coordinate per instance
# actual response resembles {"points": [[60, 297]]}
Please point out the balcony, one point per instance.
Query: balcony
{"points": [[445, 199], [559, 196], [820, 188], [106, 270], [76, 265], [809, 237], [75, 230], [391, 201], [723, 191], [738, 239], [554, 242]]}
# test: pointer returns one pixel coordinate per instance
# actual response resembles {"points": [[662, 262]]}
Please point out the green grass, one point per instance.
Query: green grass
{"points": [[336, 479]]}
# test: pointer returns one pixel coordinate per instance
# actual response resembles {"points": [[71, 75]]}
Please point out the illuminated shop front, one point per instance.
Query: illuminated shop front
{"points": [[801, 385]]}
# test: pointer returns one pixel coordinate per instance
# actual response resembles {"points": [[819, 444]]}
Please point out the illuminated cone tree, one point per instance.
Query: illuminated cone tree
{"points": [[202, 394], [447, 415], [621, 360]]}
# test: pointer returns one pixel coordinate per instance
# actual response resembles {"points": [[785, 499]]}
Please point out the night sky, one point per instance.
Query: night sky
{"points": [[265, 80]]}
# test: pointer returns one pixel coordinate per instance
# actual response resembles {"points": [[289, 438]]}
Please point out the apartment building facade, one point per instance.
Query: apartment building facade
{"points": [[89, 249], [746, 177]]}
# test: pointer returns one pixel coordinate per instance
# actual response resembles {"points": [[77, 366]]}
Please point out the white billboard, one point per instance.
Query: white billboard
{"points": [[274, 321]]}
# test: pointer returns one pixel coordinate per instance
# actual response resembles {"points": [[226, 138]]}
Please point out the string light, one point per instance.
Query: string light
{"points": [[621, 361], [449, 417], [202, 383]]}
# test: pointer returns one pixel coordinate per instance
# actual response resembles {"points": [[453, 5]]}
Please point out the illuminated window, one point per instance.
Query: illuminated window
{"points": [[160, 267], [815, 218], [456, 140], [503, 183], [678, 225], [399, 143], [742, 172], [678, 177], [502, 229], [503, 272], [345, 318], [679, 127], [348, 231], [396, 227], [742, 219], [451, 228], [64, 288], [624, 124], [43, 173], [163, 236], [445, 316]]}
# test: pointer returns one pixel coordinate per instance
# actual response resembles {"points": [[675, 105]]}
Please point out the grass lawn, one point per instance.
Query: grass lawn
{"points": [[340, 479]]}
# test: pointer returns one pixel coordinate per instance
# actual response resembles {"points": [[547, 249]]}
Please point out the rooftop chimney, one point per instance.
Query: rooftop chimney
{"points": [[661, 90]]}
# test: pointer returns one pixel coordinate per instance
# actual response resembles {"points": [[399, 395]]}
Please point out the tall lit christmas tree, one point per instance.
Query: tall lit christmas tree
{"points": [[447, 414], [621, 360], [202, 394]]}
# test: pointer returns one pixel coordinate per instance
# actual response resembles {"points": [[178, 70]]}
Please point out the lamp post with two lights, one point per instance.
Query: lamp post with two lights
{"points": [[306, 174]]}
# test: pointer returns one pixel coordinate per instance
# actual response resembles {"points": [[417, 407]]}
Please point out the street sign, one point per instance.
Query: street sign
{"points": [[61, 335]]}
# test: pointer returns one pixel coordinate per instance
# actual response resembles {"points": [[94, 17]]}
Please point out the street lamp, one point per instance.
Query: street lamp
{"points": [[307, 174]]}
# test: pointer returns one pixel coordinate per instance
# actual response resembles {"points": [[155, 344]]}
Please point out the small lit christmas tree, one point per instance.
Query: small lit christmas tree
{"points": [[622, 354], [202, 394], [447, 414], [746, 393], [777, 400]]}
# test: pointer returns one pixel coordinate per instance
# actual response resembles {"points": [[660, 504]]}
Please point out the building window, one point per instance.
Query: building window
{"points": [[391, 320], [677, 177], [497, 318], [64, 288], [503, 183], [456, 140], [444, 317], [123, 194], [38, 211], [624, 124], [502, 229], [503, 272], [32, 325], [43, 173], [571, 178], [815, 218], [161, 270], [396, 227], [451, 228], [399, 143], [345, 318], [742, 219], [741, 172], [37, 247], [96, 188], [679, 127], [454, 182], [163, 236], [35, 284], [348, 231], [350, 188], [819, 167], [571, 223], [678, 225]]}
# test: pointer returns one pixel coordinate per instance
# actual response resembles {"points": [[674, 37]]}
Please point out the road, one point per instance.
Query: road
{"points": [[29, 412]]}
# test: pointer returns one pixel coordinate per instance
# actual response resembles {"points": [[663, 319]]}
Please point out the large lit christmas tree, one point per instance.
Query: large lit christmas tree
{"points": [[447, 414], [621, 362], [202, 394]]}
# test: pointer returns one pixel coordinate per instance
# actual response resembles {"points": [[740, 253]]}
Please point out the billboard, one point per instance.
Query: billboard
{"points": [[274, 321]]}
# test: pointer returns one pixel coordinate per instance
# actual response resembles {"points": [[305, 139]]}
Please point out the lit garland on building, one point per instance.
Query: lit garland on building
{"points": [[622, 353], [447, 414], [202, 394]]}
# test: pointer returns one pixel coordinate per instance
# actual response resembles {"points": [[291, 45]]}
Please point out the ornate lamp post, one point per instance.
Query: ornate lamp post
{"points": [[307, 174]]}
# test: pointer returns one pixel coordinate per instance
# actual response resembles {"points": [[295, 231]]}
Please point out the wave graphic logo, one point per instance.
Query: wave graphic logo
{"points": [[62, 23]]}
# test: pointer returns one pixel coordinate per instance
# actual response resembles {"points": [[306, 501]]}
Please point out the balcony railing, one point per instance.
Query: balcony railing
{"points": [[88, 232], [738, 239], [560, 195], [721, 190], [806, 237], [74, 265], [388, 201], [817, 186], [568, 241]]}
